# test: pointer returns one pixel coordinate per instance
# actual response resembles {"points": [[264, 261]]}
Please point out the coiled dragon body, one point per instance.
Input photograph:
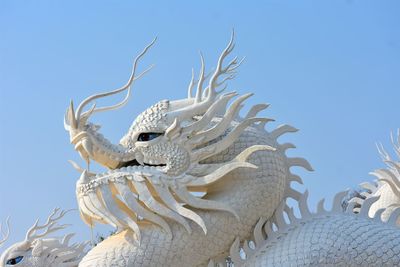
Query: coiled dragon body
{"points": [[193, 183]]}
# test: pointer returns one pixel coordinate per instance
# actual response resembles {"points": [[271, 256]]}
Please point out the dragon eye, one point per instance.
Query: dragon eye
{"points": [[143, 137], [15, 261]]}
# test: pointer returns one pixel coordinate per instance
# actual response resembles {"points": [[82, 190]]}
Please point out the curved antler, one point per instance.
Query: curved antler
{"points": [[49, 227], [203, 98], [220, 70], [5, 234], [132, 78]]}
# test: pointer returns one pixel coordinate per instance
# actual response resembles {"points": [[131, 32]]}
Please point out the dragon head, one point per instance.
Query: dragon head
{"points": [[40, 250], [163, 157]]}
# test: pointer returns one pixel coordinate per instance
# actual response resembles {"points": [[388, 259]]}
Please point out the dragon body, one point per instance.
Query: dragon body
{"points": [[264, 190], [322, 238], [366, 233], [188, 178], [192, 180], [193, 183]]}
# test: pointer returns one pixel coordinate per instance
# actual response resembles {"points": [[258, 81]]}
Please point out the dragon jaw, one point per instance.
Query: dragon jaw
{"points": [[136, 192]]}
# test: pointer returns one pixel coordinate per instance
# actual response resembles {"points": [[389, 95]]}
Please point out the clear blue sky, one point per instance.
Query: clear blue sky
{"points": [[330, 68]]}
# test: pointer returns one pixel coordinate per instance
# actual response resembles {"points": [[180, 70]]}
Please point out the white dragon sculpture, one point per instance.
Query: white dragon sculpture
{"points": [[193, 183], [38, 249]]}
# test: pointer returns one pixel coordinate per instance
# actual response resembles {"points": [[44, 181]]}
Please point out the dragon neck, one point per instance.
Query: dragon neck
{"points": [[250, 193]]}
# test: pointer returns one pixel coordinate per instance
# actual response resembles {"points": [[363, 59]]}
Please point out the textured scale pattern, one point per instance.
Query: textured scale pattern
{"points": [[152, 120], [333, 240], [262, 191]]}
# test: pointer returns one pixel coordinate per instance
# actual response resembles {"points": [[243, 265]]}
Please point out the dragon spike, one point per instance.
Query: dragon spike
{"points": [[235, 253], [201, 80], [91, 209], [223, 144], [229, 70], [166, 196], [286, 146], [268, 229], [124, 219], [337, 201], [320, 206], [6, 234], [96, 205], [382, 152], [394, 217], [388, 175], [86, 214], [282, 129], [67, 238], [85, 116], [146, 197], [222, 125], [279, 219], [351, 207], [69, 118], [209, 115], [393, 186], [204, 98], [293, 194], [394, 165], [132, 78], [219, 173], [368, 186], [365, 207], [396, 143], [246, 247], [290, 213], [258, 234], [295, 178], [133, 204], [191, 85], [174, 130], [300, 162], [378, 215], [304, 210], [199, 203], [255, 110], [238, 162]]}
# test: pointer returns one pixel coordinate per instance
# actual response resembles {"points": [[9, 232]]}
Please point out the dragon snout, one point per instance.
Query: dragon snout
{"points": [[83, 145]]}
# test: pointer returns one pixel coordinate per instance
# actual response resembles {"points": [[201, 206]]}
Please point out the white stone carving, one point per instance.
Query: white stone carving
{"points": [[200, 144], [38, 249], [192, 183]]}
